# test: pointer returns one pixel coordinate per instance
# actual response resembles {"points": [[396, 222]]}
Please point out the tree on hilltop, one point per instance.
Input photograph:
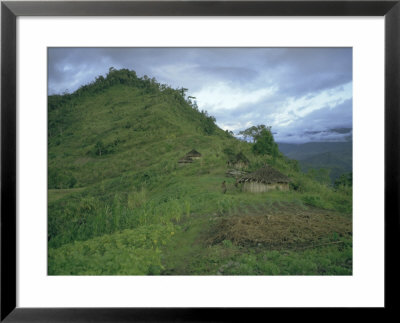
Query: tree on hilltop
{"points": [[263, 140], [253, 132]]}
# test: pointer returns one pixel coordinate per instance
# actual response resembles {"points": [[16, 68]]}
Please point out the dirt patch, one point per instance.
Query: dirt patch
{"points": [[281, 226]]}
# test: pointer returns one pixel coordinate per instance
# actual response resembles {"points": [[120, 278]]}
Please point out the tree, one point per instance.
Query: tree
{"points": [[100, 148], [254, 132], [263, 139], [229, 133], [183, 91], [209, 125]]}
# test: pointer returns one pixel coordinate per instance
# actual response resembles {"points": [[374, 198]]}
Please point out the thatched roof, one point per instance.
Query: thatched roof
{"points": [[193, 153], [266, 175], [234, 173], [185, 160]]}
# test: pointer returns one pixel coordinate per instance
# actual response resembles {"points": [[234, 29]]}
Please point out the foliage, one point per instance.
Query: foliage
{"points": [[60, 179], [253, 132], [265, 143], [345, 180], [208, 123], [103, 149], [320, 175], [263, 140]]}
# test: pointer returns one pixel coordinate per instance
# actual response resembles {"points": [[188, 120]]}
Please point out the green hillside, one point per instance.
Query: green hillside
{"points": [[119, 203]]}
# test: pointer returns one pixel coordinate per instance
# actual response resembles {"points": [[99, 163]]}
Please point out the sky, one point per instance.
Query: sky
{"points": [[304, 94]]}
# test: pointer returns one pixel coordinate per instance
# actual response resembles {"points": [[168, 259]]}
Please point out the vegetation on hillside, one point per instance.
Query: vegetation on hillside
{"points": [[332, 157], [120, 204]]}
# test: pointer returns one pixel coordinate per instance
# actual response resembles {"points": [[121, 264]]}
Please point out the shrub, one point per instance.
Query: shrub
{"points": [[313, 200], [60, 179]]}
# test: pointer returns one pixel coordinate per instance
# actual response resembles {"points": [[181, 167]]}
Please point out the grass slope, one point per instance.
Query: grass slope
{"points": [[120, 204]]}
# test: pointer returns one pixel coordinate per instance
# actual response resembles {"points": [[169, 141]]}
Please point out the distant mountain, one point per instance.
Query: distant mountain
{"points": [[335, 156]]}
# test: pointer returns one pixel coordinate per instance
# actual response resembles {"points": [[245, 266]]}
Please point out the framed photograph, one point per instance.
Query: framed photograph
{"points": [[176, 160]]}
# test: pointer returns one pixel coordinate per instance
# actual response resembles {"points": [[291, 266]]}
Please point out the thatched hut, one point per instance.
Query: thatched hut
{"points": [[194, 154], [265, 179], [185, 160], [189, 157]]}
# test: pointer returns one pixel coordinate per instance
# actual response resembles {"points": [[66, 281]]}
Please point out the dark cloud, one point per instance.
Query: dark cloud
{"points": [[342, 130], [325, 124], [306, 70]]}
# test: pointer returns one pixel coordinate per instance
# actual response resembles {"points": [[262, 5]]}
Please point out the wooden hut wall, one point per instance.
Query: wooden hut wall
{"points": [[256, 187]]}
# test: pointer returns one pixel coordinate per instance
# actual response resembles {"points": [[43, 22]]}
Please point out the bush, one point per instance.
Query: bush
{"points": [[313, 200], [101, 148], [60, 179], [345, 180]]}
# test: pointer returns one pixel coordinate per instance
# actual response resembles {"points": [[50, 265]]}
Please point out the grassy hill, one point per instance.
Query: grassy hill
{"points": [[334, 156], [120, 204]]}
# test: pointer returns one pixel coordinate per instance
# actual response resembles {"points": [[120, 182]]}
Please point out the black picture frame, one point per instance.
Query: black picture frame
{"points": [[10, 10]]}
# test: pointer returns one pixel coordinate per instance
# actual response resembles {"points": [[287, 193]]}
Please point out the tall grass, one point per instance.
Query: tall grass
{"points": [[130, 252], [92, 218]]}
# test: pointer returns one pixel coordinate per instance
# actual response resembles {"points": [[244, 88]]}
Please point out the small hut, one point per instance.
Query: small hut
{"points": [[185, 160], [194, 154], [238, 161], [265, 179], [189, 157]]}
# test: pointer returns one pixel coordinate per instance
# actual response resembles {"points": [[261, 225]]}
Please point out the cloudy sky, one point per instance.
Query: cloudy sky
{"points": [[305, 94]]}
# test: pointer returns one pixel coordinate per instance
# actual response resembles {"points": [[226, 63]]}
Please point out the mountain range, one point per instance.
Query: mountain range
{"points": [[334, 156]]}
